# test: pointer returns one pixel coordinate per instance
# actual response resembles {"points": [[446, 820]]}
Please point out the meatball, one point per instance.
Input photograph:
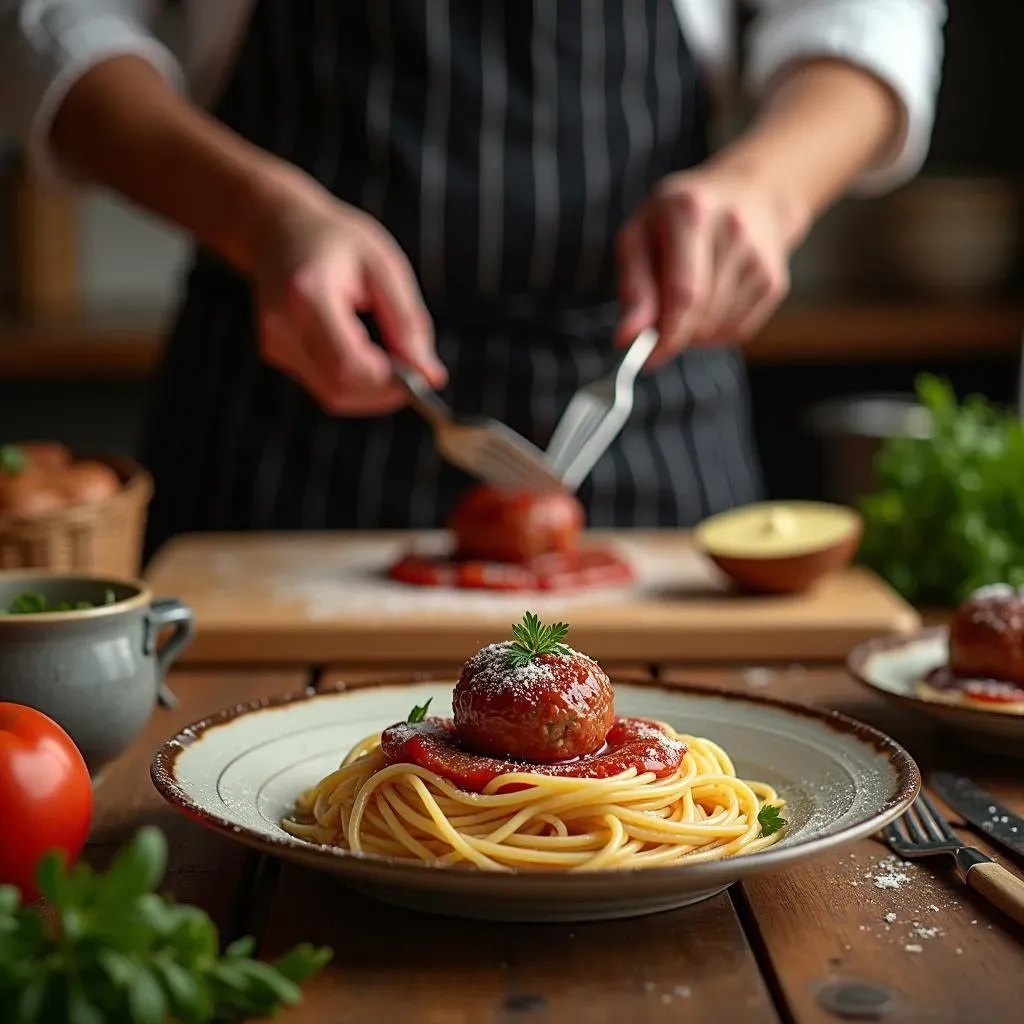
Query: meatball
{"points": [[986, 639], [557, 707], [496, 524]]}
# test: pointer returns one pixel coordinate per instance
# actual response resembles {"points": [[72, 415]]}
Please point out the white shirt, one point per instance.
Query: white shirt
{"points": [[46, 45]]}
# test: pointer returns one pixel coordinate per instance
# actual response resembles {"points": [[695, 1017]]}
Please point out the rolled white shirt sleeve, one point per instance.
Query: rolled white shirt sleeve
{"points": [[47, 45], [899, 41]]}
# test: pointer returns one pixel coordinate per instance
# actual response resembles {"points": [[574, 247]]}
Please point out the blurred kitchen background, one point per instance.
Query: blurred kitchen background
{"points": [[926, 279]]}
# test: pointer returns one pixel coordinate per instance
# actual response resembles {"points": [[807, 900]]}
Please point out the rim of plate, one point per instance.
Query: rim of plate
{"points": [[857, 666], [906, 787]]}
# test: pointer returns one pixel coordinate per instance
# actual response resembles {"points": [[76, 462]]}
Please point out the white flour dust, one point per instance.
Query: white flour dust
{"points": [[329, 580]]}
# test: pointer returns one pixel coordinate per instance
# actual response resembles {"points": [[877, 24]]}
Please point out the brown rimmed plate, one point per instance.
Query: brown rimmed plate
{"points": [[239, 772], [893, 666]]}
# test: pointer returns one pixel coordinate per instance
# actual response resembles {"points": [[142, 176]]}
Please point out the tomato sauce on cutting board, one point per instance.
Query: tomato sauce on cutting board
{"points": [[580, 569]]}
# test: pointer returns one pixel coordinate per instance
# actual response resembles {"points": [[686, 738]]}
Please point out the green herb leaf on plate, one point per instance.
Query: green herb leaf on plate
{"points": [[419, 713], [770, 819]]}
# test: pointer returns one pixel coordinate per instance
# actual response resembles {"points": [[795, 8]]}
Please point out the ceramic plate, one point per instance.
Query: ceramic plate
{"points": [[240, 771], [893, 666]]}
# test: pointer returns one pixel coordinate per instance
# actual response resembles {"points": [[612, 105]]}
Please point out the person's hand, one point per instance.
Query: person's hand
{"points": [[704, 260], [321, 263]]}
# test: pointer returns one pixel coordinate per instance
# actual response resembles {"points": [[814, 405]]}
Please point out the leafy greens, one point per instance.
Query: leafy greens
{"points": [[948, 515]]}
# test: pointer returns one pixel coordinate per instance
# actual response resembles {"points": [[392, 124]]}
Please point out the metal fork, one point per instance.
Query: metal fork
{"points": [[926, 832], [485, 448], [596, 414]]}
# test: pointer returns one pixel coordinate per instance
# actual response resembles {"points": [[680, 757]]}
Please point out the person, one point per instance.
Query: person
{"points": [[495, 193]]}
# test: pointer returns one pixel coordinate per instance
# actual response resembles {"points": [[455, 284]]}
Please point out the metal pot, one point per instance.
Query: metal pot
{"points": [[853, 428]]}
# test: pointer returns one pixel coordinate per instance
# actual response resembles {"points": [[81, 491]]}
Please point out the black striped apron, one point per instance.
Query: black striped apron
{"points": [[503, 143]]}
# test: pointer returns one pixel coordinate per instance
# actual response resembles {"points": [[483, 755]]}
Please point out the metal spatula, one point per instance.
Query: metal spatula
{"points": [[484, 448], [596, 414]]}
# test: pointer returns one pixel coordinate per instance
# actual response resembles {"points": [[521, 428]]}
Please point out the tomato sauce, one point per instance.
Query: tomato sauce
{"points": [[434, 745], [579, 569], [984, 691]]}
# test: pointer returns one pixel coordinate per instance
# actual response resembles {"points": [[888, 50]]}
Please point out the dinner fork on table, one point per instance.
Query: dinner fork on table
{"points": [[926, 833], [483, 447], [597, 413]]}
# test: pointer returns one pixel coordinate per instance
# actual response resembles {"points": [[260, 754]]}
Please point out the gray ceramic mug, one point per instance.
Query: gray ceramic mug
{"points": [[99, 671]]}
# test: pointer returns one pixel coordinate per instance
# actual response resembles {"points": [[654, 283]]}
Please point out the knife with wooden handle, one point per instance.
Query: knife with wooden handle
{"points": [[981, 809]]}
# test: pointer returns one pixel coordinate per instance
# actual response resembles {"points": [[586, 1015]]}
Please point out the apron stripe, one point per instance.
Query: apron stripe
{"points": [[174, 447], [730, 379], [677, 403], [503, 147], [380, 95], [597, 490], [720, 486], [494, 89], [318, 497], [545, 128], [435, 146], [637, 113], [668, 105], [272, 461], [641, 465], [596, 140]]}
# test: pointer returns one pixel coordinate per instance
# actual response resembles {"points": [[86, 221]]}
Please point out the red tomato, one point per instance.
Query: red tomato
{"points": [[45, 795]]}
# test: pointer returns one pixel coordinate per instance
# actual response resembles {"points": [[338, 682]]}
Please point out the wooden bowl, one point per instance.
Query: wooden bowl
{"points": [[781, 547]]}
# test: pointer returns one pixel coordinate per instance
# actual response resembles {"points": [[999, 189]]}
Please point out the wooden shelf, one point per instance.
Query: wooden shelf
{"points": [[100, 345], [128, 345], [868, 331]]}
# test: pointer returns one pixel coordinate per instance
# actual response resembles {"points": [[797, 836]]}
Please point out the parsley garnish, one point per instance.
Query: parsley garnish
{"points": [[419, 712], [31, 603], [770, 820], [110, 949], [533, 638]]}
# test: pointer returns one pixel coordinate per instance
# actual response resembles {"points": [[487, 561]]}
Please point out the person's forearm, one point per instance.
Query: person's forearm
{"points": [[824, 125], [122, 126]]}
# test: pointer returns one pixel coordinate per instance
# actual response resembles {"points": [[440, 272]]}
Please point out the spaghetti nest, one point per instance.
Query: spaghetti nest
{"points": [[702, 812]]}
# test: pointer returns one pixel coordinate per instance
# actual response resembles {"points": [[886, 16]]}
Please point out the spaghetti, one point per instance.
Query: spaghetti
{"points": [[525, 821]]}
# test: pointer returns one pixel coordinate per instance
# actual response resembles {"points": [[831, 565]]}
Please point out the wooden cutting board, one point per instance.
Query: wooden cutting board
{"points": [[323, 597]]}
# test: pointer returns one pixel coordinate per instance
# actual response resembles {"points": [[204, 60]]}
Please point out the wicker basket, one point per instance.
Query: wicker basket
{"points": [[102, 537]]}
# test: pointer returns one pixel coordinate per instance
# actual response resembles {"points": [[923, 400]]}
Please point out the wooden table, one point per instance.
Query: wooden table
{"points": [[780, 948]]}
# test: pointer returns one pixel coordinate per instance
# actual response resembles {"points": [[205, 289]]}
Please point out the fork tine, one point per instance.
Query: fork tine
{"points": [[585, 417], [925, 820], [892, 833], [516, 466], [494, 464], [515, 461], [912, 822], [942, 828], [567, 425]]}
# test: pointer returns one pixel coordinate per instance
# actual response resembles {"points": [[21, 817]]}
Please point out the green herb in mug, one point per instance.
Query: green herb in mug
{"points": [[31, 603]]}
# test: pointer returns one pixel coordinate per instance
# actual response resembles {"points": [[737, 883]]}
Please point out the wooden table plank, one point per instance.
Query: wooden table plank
{"points": [[693, 963], [203, 868], [946, 955]]}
